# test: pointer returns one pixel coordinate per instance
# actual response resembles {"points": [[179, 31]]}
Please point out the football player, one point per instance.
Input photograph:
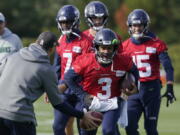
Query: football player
{"points": [[72, 43], [100, 74], [147, 51], [96, 14]]}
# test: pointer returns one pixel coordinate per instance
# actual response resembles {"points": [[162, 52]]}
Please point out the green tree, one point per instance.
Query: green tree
{"points": [[29, 17]]}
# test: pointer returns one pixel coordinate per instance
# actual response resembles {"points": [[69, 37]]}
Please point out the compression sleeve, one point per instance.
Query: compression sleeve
{"points": [[72, 79], [135, 72], [166, 62], [57, 65]]}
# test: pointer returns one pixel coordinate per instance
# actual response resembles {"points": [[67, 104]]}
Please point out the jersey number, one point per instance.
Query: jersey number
{"points": [[106, 88], [69, 61], [139, 61]]}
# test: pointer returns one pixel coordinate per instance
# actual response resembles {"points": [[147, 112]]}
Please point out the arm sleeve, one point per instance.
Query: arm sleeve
{"points": [[72, 79], [166, 62], [68, 109], [57, 65], [135, 72]]}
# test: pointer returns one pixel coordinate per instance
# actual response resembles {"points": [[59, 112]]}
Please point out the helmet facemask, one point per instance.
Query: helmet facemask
{"points": [[96, 9], [106, 57], [68, 19], [141, 18], [68, 29], [99, 25], [138, 34]]}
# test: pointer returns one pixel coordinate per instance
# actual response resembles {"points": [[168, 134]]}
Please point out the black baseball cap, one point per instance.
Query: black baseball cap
{"points": [[47, 40]]}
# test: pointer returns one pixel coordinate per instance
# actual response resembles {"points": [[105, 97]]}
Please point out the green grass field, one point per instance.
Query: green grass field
{"points": [[169, 120]]}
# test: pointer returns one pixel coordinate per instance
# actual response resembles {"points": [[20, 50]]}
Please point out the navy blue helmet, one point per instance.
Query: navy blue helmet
{"points": [[105, 37], [96, 9], [68, 13], [138, 16]]}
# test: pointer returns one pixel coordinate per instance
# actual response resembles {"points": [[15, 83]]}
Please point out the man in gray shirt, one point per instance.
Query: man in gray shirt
{"points": [[24, 77], [9, 42]]}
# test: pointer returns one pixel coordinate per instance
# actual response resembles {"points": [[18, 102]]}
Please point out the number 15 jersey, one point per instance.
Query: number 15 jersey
{"points": [[145, 57]]}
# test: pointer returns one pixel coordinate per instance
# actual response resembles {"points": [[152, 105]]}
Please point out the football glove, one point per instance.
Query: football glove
{"points": [[169, 94]]}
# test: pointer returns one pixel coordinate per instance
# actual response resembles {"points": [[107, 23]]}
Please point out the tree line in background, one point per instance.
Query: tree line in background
{"points": [[29, 17]]}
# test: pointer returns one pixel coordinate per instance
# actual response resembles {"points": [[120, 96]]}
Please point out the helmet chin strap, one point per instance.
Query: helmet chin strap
{"points": [[64, 32], [98, 28], [137, 36], [68, 32], [100, 59], [103, 61], [76, 34]]}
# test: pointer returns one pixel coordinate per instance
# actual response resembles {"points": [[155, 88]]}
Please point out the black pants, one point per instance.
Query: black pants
{"points": [[146, 102], [9, 127]]}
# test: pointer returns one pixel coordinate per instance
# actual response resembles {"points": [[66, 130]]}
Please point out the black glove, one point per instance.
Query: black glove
{"points": [[169, 94]]}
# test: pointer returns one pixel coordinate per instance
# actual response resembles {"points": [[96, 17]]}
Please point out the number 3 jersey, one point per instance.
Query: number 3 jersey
{"points": [[68, 51], [145, 57], [100, 81]]}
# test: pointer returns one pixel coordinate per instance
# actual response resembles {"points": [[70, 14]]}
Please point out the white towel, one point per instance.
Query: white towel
{"points": [[103, 105], [123, 118]]}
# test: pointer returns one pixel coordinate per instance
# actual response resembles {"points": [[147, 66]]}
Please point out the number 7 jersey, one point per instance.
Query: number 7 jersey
{"points": [[145, 57], [68, 51]]}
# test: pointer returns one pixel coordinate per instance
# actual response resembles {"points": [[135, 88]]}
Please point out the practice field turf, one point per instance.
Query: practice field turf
{"points": [[169, 121]]}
